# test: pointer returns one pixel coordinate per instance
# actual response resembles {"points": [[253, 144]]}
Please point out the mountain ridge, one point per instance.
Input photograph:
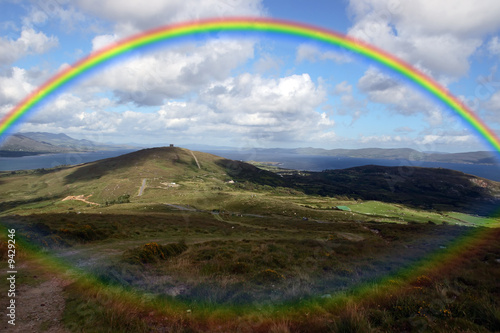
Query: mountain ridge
{"points": [[36, 143]]}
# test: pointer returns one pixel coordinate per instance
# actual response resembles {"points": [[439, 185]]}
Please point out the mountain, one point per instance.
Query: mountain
{"points": [[60, 140], [32, 143], [479, 157], [19, 145]]}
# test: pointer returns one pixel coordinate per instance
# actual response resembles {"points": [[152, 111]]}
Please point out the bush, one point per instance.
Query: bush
{"points": [[151, 253], [268, 276], [124, 198], [83, 234]]}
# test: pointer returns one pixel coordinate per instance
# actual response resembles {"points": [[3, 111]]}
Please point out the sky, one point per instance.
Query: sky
{"points": [[256, 91]]}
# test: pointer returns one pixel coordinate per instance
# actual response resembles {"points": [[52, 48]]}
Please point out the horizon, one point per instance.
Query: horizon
{"points": [[226, 147]]}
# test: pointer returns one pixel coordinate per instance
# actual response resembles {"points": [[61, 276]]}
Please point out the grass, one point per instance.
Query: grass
{"points": [[224, 275]]}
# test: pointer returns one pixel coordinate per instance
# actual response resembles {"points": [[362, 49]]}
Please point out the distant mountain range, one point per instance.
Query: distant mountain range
{"points": [[34, 143], [478, 157]]}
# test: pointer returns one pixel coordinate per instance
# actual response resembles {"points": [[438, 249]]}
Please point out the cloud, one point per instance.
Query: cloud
{"points": [[29, 42], [149, 79], [349, 105], [254, 94], [492, 108], [308, 52], [398, 97], [15, 86], [101, 41], [267, 63], [342, 88], [133, 16], [494, 46], [247, 108], [279, 109], [434, 36]]}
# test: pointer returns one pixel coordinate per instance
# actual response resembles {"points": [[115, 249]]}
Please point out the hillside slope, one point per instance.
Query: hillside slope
{"points": [[424, 187]]}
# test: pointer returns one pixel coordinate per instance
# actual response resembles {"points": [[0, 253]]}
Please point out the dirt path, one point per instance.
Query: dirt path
{"points": [[143, 186], [39, 308], [80, 198], [196, 160]]}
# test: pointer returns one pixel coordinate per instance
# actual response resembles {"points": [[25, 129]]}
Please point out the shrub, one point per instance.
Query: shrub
{"points": [[422, 281], [151, 253], [239, 268], [268, 276], [124, 198], [83, 234]]}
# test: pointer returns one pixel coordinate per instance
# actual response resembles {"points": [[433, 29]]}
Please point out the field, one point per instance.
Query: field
{"points": [[195, 252]]}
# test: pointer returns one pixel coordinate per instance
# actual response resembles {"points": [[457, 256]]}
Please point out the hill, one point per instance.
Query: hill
{"points": [[430, 188], [19, 145], [33, 143], [158, 168]]}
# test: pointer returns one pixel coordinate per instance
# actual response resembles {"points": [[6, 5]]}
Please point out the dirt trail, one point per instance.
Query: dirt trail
{"points": [[80, 198], [39, 308], [196, 160], [143, 186]]}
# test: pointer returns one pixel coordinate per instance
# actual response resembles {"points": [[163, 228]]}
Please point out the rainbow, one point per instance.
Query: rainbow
{"points": [[436, 263], [262, 25]]}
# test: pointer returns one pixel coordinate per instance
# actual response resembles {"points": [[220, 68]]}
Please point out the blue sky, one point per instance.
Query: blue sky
{"points": [[256, 91]]}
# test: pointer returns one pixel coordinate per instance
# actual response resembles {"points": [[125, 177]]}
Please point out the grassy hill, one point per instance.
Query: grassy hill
{"points": [[430, 188]]}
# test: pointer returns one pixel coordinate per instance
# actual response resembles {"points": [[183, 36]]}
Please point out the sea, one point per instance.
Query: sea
{"points": [[285, 160]]}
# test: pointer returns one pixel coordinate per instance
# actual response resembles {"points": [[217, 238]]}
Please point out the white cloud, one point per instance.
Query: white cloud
{"points": [[248, 108], [378, 139], [342, 88], [398, 97], [267, 63], [29, 42], [253, 94], [150, 79], [494, 46], [492, 108], [431, 35], [15, 86], [308, 52], [447, 140], [133, 16], [103, 40]]}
